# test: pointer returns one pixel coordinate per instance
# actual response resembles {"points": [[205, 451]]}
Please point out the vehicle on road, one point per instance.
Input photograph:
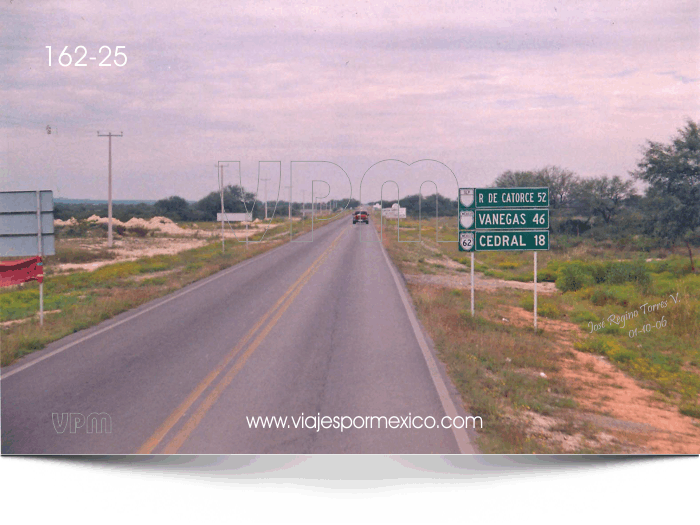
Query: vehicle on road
{"points": [[360, 216]]}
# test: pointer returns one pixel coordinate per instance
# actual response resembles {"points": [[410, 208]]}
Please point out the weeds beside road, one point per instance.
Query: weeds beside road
{"points": [[563, 389]]}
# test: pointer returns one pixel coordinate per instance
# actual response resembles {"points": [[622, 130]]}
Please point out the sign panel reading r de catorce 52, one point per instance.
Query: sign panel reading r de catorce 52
{"points": [[512, 198]]}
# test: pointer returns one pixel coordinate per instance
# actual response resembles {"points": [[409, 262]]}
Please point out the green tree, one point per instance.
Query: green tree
{"points": [[560, 181], [235, 201], [672, 172], [175, 208], [602, 196], [518, 179]]}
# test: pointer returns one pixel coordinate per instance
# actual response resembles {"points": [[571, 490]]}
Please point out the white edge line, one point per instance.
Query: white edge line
{"points": [[177, 295], [463, 442]]}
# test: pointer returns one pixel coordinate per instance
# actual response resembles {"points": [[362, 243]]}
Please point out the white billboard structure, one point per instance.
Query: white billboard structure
{"points": [[395, 212], [26, 228], [234, 217]]}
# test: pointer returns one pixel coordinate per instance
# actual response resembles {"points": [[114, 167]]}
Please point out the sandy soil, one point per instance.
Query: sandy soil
{"points": [[17, 321], [132, 248], [613, 400], [463, 281]]}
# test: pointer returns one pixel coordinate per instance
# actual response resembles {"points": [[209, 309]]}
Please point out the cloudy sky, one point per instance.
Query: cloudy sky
{"points": [[481, 87]]}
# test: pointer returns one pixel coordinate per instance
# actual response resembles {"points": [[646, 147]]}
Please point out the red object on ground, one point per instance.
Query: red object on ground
{"points": [[16, 272]]}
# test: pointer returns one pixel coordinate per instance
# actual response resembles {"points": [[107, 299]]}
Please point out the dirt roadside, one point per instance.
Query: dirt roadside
{"points": [[613, 410]]}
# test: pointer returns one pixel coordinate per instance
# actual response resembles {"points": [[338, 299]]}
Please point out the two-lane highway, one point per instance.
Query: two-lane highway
{"points": [[316, 329]]}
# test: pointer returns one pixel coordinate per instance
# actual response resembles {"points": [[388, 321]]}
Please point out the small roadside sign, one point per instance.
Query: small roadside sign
{"points": [[394, 213], [26, 223], [26, 229]]}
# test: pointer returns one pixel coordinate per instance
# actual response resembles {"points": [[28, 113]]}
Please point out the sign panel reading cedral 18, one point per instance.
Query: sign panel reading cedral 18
{"points": [[494, 219]]}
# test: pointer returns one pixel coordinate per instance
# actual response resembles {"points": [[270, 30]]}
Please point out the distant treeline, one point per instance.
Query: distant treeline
{"points": [[610, 208], [603, 207], [178, 209], [425, 206]]}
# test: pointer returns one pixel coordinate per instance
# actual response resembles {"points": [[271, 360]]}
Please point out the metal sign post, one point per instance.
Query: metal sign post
{"points": [[472, 283], [222, 207], [535, 308], [40, 253]]}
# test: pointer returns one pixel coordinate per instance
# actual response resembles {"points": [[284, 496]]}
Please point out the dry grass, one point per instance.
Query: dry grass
{"points": [[496, 360]]}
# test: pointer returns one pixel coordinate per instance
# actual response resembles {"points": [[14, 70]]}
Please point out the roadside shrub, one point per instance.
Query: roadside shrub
{"points": [[622, 355], [554, 265], [194, 266], [115, 271], [522, 278], [602, 345], [548, 310], [139, 231], [658, 266], [585, 293], [546, 275], [578, 274], [584, 317], [508, 265], [574, 276], [600, 296], [624, 272], [610, 329], [623, 295], [70, 254], [690, 410], [679, 266], [544, 307]]}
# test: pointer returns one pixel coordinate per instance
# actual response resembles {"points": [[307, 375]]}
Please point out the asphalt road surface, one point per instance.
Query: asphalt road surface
{"points": [[318, 328]]}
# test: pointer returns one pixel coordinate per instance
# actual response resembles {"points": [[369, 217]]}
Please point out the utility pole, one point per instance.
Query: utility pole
{"points": [[109, 187], [290, 202], [221, 184], [265, 181], [303, 203]]}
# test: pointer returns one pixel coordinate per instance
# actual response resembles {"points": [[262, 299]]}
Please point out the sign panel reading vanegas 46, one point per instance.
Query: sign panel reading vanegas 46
{"points": [[504, 219]]}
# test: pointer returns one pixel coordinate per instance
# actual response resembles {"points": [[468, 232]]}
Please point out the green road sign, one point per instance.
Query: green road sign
{"points": [[503, 198], [504, 219], [494, 241]]}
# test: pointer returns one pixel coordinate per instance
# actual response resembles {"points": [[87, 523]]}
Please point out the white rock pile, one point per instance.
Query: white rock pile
{"points": [[162, 224]]}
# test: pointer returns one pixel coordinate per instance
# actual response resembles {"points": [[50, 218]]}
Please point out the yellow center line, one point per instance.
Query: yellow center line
{"points": [[203, 408], [153, 441]]}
